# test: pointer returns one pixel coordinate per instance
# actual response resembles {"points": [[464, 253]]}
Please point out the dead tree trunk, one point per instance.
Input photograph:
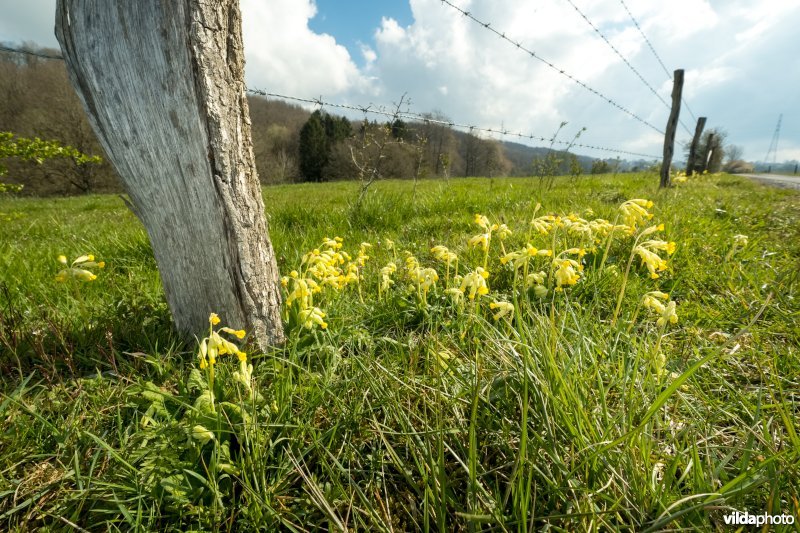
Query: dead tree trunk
{"points": [[163, 85], [672, 125]]}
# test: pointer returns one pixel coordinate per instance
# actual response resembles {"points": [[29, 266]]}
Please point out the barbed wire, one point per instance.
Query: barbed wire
{"points": [[624, 60], [29, 52], [652, 49], [382, 111], [561, 71], [379, 110]]}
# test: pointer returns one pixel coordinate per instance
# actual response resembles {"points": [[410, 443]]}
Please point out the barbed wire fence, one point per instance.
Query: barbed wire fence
{"points": [[380, 110], [385, 112]]}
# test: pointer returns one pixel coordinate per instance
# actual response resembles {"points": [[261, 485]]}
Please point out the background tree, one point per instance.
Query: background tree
{"points": [[163, 86], [313, 148]]}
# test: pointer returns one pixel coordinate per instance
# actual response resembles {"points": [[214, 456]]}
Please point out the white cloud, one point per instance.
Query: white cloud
{"points": [[285, 56]]}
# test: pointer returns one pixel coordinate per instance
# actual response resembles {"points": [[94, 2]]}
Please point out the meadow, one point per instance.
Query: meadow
{"points": [[599, 355]]}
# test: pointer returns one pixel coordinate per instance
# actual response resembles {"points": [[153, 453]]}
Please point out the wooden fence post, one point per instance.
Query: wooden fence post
{"points": [[672, 124], [709, 152], [698, 131]]}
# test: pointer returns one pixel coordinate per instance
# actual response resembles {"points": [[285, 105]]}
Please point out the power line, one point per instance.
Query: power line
{"points": [[652, 49], [619, 54], [561, 71], [382, 111]]}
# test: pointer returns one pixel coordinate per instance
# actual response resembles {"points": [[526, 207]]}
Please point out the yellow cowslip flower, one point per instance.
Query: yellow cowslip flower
{"points": [[652, 260], [244, 375], [475, 282], [362, 254], [444, 255], [309, 317], [389, 243], [411, 263], [517, 258], [238, 333], [483, 222], [481, 240], [668, 315], [667, 312], [503, 231], [652, 229], [580, 252], [634, 212], [536, 278], [334, 243], [386, 276], [456, 293], [301, 293], [213, 319], [567, 272], [503, 309], [545, 223], [78, 268]]}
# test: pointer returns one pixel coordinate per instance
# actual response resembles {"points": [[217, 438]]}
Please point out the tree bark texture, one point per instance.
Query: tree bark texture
{"points": [[163, 84], [672, 125]]}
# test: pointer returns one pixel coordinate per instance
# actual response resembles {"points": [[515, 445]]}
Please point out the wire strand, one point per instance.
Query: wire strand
{"points": [[624, 60], [382, 111], [561, 71], [652, 49]]}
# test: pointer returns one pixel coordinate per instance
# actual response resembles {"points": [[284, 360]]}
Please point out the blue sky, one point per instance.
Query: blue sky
{"points": [[353, 22], [740, 56]]}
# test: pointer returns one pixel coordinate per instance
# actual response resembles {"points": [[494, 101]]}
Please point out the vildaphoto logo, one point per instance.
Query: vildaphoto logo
{"points": [[746, 519]]}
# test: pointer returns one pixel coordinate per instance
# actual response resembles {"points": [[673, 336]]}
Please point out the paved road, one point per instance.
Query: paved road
{"points": [[789, 182]]}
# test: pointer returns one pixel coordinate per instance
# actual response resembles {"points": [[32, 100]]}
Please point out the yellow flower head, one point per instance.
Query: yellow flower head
{"points": [[214, 319], [503, 232], [503, 309], [481, 240], [475, 283], [566, 272], [634, 212], [483, 222]]}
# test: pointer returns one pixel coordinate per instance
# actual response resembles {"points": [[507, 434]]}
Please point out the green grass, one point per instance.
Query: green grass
{"points": [[406, 417]]}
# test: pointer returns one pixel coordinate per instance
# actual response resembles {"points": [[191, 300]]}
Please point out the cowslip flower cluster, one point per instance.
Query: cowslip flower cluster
{"points": [[648, 252], [504, 309], [327, 270], [666, 311], [78, 268], [634, 212], [215, 345]]}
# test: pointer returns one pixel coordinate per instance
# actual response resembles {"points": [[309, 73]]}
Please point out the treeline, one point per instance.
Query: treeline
{"points": [[290, 143]]}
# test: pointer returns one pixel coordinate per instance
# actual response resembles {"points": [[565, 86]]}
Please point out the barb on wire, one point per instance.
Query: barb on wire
{"points": [[429, 120], [561, 71], [652, 49]]}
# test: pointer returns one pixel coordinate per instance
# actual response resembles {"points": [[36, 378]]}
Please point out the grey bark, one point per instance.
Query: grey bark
{"points": [[163, 85]]}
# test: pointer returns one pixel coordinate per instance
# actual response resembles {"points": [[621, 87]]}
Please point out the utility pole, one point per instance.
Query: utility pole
{"points": [[773, 146], [672, 124]]}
